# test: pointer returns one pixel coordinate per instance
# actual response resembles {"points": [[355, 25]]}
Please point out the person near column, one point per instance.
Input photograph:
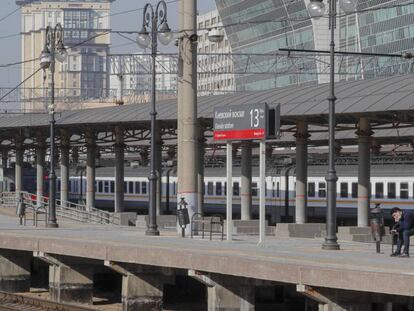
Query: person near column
{"points": [[404, 226]]}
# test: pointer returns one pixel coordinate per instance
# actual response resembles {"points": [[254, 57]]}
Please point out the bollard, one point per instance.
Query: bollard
{"points": [[377, 226], [182, 216]]}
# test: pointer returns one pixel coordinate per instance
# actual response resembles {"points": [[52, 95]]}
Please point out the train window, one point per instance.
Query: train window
{"points": [[225, 188], [278, 189], [379, 190], [125, 187], [254, 189], [218, 188], [236, 188], [100, 186], [344, 189], [137, 187], [130, 187], [311, 189], [273, 189], [112, 185], [209, 188], [404, 190], [175, 188], [322, 190], [106, 186], [144, 187], [265, 188], [354, 190], [391, 193]]}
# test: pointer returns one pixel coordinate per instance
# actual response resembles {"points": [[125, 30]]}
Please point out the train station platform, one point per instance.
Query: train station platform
{"points": [[355, 267]]}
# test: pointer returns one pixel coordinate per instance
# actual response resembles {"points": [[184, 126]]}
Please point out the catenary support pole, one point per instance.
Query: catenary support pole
{"points": [[187, 132]]}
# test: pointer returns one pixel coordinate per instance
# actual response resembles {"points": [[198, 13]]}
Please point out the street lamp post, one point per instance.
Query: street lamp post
{"points": [[157, 21], [53, 49], [316, 9]]}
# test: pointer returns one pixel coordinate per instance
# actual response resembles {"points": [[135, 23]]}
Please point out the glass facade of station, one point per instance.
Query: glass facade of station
{"points": [[264, 26]]}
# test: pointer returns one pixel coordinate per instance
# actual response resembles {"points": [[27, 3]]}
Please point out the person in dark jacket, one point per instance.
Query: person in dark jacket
{"points": [[404, 226]]}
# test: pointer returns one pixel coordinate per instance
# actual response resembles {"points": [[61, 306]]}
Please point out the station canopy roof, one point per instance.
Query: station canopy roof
{"points": [[384, 101]]}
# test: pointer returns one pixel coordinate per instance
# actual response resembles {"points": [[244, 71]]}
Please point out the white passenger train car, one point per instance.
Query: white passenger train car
{"points": [[391, 185]]}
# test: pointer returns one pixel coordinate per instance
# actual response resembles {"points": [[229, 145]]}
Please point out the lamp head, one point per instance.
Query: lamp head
{"points": [[348, 6], [164, 33], [45, 58], [143, 39], [61, 54], [316, 8]]}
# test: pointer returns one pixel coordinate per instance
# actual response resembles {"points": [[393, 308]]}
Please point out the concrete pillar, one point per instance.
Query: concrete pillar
{"points": [[4, 158], [142, 291], [18, 182], [187, 102], [200, 177], [119, 169], [246, 181], [158, 167], [364, 170], [144, 156], [71, 282], [64, 166], [231, 297], [14, 271], [301, 171], [90, 169], [40, 164]]}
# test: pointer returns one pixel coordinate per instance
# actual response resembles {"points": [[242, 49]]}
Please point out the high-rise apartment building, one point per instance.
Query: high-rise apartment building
{"points": [[83, 76], [215, 65], [264, 26]]}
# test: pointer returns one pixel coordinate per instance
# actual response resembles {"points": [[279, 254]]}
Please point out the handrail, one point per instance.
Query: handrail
{"points": [[65, 209]]}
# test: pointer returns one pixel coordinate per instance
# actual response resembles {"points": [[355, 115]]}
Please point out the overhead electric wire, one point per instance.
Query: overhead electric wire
{"points": [[16, 87], [10, 14]]}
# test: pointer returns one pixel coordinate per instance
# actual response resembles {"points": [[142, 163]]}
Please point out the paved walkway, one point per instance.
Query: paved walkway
{"points": [[298, 261]]}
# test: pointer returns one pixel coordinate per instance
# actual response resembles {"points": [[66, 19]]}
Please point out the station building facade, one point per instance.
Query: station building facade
{"points": [[264, 26]]}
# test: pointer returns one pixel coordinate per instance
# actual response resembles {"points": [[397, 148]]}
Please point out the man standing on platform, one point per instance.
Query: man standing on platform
{"points": [[404, 227]]}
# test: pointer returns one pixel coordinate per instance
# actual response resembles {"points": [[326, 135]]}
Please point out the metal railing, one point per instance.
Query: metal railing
{"points": [[65, 209]]}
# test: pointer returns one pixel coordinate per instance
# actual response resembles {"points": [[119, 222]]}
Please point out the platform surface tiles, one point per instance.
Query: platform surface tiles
{"points": [[289, 260]]}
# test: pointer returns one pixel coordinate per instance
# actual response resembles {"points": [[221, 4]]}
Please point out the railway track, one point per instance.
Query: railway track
{"points": [[9, 301]]}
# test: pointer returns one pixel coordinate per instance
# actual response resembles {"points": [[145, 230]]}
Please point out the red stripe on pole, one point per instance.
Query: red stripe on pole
{"points": [[239, 134]]}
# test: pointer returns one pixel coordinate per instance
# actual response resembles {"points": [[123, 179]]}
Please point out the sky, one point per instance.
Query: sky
{"points": [[131, 20]]}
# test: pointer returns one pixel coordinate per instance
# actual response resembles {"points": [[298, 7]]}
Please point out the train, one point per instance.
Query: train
{"points": [[391, 185]]}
